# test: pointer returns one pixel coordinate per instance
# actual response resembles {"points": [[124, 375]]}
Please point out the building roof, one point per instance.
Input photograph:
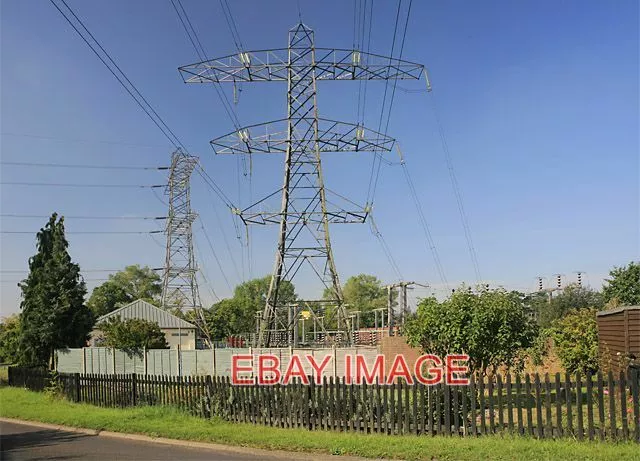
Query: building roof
{"points": [[618, 310], [146, 311]]}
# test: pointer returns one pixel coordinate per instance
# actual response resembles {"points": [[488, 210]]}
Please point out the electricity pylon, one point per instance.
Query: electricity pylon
{"points": [[179, 283], [304, 215]]}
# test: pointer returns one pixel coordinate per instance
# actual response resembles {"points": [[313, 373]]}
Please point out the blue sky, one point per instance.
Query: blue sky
{"points": [[538, 101]]}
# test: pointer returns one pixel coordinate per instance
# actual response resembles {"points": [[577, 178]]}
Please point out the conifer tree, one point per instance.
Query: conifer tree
{"points": [[53, 311]]}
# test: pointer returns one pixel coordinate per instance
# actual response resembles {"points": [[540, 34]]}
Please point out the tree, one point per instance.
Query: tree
{"points": [[226, 318], [623, 287], [9, 339], [492, 327], [53, 311], [237, 315], [575, 338], [252, 294], [132, 335], [364, 293], [130, 284], [571, 298]]}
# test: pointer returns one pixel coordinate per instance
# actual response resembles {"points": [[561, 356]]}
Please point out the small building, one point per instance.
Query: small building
{"points": [[177, 331], [619, 338]]}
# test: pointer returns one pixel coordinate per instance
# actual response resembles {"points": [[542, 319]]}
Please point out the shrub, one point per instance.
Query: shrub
{"points": [[576, 340]]}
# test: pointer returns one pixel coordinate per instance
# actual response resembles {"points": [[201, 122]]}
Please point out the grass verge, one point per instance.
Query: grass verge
{"points": [[171, 423]]}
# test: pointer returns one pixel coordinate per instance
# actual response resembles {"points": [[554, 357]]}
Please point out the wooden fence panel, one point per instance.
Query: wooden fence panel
{"points": [[396, 408]]}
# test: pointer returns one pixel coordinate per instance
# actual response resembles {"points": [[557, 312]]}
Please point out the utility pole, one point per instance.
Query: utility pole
{"points": [[179, 284], [404, 305], [304, 215]]}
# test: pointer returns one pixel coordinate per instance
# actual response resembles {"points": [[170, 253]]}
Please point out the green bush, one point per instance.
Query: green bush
{"points": [[576, 340]]}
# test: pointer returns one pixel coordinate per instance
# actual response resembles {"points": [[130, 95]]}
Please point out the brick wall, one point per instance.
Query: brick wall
{"points": [[390, 346]]}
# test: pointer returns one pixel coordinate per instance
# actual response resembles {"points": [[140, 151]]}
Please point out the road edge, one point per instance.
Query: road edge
{"points": [[258, 452]]}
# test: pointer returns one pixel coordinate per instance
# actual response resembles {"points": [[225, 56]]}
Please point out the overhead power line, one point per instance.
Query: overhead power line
{"points": [[395, 82], [203, 271], [88, 141], [31, 216], [88, 232], [458, 193], [78, 165], [233, 28], [423, 220], [76, 23], [81, 270], [78, 26], [385, 248], [376, 162], [202, 55], [364, 99], [86, 280], [376, 177], [213, 186], [215, 256], [51, 184]]}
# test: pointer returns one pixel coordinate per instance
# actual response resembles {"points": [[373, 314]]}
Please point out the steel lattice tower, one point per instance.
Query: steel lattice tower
{"points": [[304, 215], [179, 285]]}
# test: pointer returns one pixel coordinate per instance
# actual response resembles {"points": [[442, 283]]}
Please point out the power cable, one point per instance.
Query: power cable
{"points": [[202, 55], [82, 270], [47, 184], [77, 165], [425, 226], [29, 216], [187, 25], [215, 256], [89, 141], [225, 239], [213, 293], [89, 232], [385, 248], [393, 94], [84, 279], [395, 81], [457, 193], [366, 82], [213, 186], [375, 164], [233, 28], [119, 75]]}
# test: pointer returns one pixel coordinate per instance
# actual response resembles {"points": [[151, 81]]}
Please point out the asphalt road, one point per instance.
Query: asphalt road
{"points": [[22, 442]]}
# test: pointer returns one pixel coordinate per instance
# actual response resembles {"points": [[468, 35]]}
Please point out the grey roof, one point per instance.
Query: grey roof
{"points": [[143, 310], [617, 310]]}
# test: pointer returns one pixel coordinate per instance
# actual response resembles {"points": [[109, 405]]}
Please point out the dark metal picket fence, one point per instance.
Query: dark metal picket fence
{"points": [[584, 407]]}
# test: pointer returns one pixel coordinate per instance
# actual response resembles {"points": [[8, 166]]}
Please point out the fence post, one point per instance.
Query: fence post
{"points": [[335, 361], [213, 358], [179, 360], [310, 402], [208, 385], [84, 361], [113, 359], [144, 351], [76, 380], [10, 376], [134, 389]]}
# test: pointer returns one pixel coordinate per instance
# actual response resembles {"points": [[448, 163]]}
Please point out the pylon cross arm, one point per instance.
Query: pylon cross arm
{"points": [[272, 138], [275, 64]]}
